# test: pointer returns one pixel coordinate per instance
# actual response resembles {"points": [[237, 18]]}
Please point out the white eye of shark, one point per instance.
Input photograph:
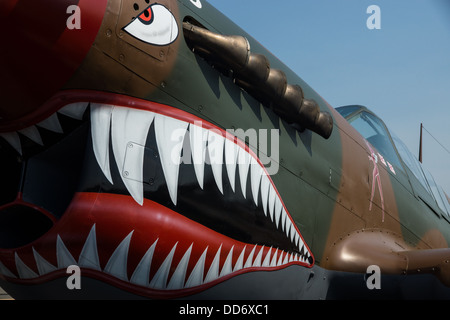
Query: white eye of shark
{"points": [[156, 25]]}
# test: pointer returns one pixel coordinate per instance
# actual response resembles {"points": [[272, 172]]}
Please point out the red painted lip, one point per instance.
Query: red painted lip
{"points": [[64, 98], [121, 245], [111, 236]]}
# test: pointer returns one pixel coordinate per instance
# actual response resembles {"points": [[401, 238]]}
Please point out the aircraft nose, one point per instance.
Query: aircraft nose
{"points": [[42, 44]]}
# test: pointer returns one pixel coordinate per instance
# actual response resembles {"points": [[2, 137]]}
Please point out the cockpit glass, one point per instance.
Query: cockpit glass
{"points": [[424, 177], [373, 130], [410, 161], [435, 190], [445, 201], [348, 110]]}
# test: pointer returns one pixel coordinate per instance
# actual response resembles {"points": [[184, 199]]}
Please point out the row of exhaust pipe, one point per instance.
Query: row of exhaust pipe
{"points": [[252, 72]]}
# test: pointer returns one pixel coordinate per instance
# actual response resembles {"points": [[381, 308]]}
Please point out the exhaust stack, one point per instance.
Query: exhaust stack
{"points": [[252, 72]]}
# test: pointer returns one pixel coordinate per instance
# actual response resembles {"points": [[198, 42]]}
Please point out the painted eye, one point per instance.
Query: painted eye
{"points": [[146, 17], [155, 25]]}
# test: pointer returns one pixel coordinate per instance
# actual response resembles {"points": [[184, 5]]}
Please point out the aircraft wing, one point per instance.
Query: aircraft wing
{"points": [[364, 248]]}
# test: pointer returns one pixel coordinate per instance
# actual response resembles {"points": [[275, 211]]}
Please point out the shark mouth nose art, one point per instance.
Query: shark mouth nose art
{"points": [[183, 205]]}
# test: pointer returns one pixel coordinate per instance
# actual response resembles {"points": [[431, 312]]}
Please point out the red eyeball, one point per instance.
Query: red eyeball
{"points": [[146, 16]]}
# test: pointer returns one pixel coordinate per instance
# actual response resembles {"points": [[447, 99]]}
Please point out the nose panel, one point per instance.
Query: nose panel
{"points": [[41, 49]]}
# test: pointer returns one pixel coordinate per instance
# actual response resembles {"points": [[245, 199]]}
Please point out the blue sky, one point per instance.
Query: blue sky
{"points": [[401, 71]]}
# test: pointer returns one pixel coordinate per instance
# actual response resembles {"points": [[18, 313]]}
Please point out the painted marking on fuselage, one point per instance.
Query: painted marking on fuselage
{"points": [[375, 176]]}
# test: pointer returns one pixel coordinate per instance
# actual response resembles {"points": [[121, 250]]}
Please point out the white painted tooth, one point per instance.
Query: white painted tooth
{"points": [[89, 255], [196, 276], [159, 280], [249, 261], [303, 259], [51, 124], [307, 255], [198, 138], [167, 131], [266, 262], [179, 276], [273, 263], [301, 245], [286, 258], [272, 197], [23, 270], [231, 154], [129, 130], [283, 219], [63, 255], [296, 239], [141, 275], [244, 165], [293, 232], [213, 272], [43, 265], [117, 263], [278, 208], [74, 110], [215, 150], [256, 173], [4, 271], [257, 262], [291, 257], [228, 265], [280, 259], [302, 250], [240, 262], [303, 255], [33, 134], [287, 230], [13, 139], [100, 131], [265, 185]]}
